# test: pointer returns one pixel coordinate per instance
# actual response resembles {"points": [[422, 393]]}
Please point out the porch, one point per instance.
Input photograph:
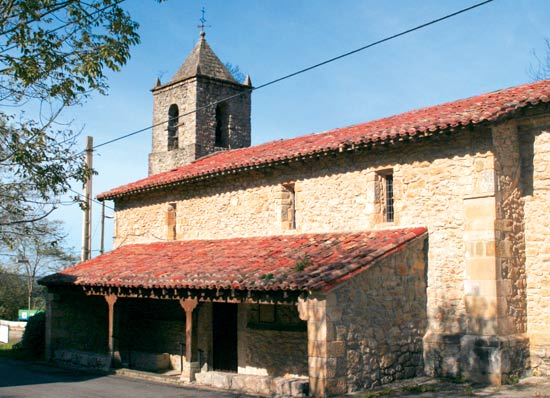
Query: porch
{"points": [[250, 347], [260, 315]]}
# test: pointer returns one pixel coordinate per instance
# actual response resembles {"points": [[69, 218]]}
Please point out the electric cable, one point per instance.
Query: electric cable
{"points": [[301, 71]]}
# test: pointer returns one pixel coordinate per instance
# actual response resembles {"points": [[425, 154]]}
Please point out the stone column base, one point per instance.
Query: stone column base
{"points": [[442, 354], [482, 359], [189, 370], [494, 359]]}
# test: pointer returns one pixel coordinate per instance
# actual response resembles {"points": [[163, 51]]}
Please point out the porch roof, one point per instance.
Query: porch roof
{"points": [[298, 262]]}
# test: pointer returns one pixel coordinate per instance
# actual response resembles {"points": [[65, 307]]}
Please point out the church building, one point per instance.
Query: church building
{"points": [[323, 264]]}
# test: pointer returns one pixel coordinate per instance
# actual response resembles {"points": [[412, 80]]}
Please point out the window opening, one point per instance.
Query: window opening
{"points": [[221, 137], [288, 206], [173, 120], [171, 222], [389, 197]]}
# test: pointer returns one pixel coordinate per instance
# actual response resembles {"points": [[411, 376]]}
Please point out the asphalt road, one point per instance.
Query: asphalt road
{"points": [[29, 380]]}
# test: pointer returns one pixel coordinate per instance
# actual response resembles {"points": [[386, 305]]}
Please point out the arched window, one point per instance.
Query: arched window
{"points": [[222, 128], [173, 116]]}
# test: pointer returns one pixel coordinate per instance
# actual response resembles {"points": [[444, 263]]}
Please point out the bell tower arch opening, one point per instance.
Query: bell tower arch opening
{"points": [[173, 121], [222, 126], [187, 124]]}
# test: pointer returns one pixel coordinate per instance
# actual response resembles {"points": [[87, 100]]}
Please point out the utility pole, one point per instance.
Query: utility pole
{"points": [[102, 239], [87, 210]]}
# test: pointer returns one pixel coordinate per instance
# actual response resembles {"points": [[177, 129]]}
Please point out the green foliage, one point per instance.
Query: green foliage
{"points": [[378, 393], [12, 295], [303, 263], [267, 277], [34, 338], [419, 388], [53, 54], [61, 48], [11, 350]]}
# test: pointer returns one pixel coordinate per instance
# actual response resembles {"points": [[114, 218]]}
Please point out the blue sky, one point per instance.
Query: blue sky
{"points": [[483, 50]]}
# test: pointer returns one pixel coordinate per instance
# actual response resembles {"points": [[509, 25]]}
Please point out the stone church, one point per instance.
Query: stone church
{"points": [[323, 264]]}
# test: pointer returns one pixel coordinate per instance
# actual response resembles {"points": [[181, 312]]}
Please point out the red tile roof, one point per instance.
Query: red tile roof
{"points": [[289, 262], [474, 110]]}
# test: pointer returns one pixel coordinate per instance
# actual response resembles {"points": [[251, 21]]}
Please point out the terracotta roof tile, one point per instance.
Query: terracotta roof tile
{"points": [[287, 262], [474, 110]]}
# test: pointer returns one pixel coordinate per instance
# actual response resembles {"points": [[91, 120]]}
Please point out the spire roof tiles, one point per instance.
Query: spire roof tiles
{"points": [[202, 61]]}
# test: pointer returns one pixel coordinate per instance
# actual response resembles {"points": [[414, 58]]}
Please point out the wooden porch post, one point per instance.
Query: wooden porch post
{"points": [[189, 367], [113, 346]]}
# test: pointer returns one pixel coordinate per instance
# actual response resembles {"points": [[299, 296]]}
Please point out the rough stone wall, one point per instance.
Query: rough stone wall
{"points": [[150, 325], [78, 322], [509, 230], [237, 111], [182, 94], [535, 149], [337, 193], [270, 352], [204, 334], [436, 183], [196, 130], [380, 319]]}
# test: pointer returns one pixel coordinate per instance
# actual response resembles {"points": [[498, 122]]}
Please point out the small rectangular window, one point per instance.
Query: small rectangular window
{"points": [[389, 197], [384, 196], [171, 222], [288, 206]]}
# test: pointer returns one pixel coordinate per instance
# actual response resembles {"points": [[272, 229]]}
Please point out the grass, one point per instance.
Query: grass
{"points": [[374, 394], [12, 350], [421, 388]]}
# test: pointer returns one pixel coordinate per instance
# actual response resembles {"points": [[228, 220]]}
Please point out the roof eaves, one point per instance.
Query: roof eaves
{"points": [[413, 236], [349, 146]]}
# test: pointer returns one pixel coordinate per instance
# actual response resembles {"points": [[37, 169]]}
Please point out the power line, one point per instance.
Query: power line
{"points": [[301, 71], [93, 200]]}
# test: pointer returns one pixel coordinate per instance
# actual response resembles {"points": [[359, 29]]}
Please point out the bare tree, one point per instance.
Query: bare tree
{"points": [[40, 253], [541, 68]]}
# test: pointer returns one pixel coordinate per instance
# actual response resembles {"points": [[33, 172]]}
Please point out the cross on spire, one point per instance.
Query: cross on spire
{"points": [[202, 20]]}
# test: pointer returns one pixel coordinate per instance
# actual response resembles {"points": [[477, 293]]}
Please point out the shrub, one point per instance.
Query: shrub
{"points": [[34, 338]]}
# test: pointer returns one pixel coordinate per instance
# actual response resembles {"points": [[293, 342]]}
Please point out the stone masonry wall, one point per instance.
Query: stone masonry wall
{"points": [[79, 322], [337, 193], [535, 149], [270, 352], [196, 130], [509, 231], [380, 318], [237, 110], [182, 94]]}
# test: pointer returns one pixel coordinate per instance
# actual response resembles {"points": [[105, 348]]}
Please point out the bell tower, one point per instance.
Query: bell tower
{"points": [[191, 119]]}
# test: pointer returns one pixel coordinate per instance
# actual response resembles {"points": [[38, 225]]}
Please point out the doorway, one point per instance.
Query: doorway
{"points": [[225, 336]]}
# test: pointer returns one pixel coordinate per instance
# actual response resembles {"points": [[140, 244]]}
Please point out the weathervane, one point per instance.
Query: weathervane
{"points": [[202, 20]]}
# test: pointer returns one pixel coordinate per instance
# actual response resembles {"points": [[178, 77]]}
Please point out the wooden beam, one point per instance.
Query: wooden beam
{"points": [[111, 300], [188, 306]]}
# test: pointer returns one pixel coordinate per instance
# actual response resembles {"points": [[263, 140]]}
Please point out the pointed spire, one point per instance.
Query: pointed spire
{"points": [[248, 81], [158, 83], [203, 61]]}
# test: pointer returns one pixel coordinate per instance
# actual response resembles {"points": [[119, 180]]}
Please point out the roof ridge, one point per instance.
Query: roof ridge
{"points": [[486, 107]]}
